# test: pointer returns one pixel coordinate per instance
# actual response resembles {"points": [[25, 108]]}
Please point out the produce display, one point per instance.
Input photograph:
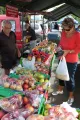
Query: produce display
{"points": [[42, 68], [31, 86], [21, 84], [63, 112], [16, 84], [40, 55], [46, 46], [30, 81], [43, 51], [19, 107], [57, 112], [12, 103], [23, 71]]}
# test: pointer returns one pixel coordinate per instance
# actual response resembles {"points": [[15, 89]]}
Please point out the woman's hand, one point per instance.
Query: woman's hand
{"points": [[66, 52]]}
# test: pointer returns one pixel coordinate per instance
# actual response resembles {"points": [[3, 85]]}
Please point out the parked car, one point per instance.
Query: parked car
{"points": [[40, 29], [37, 27]]}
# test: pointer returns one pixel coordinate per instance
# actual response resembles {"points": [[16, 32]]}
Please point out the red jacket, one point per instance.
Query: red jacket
{"points": [[71, 43]]}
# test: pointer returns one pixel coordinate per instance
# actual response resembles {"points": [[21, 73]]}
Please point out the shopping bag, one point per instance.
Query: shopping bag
{"points": [[62, 70], [29, 64]]}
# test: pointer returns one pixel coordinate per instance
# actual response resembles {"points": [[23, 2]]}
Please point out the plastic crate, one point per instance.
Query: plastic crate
{"points": [[7, 92], [53, 36]]}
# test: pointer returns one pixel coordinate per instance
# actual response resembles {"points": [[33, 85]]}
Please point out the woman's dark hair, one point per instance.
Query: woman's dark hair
{"points": [[69, 22]]}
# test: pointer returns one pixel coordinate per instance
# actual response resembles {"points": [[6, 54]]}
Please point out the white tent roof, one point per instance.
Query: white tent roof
{"points": [[76, 22]]}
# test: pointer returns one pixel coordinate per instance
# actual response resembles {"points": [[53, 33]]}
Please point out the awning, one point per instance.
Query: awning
{"points": [[23, 5], [63, 11]]}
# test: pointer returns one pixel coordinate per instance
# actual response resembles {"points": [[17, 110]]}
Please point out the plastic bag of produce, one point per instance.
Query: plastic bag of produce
{"points": [[29, 64], [50, 118], [34, 97], [12, 103], [35, 117], [19, 114], [62, 70]]}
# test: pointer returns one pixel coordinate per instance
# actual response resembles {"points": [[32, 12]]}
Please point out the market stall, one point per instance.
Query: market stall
{"points": [[23, 94]]}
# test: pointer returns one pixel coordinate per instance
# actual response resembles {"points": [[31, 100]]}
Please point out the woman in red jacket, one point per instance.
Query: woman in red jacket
{"points": [[70, 44]]}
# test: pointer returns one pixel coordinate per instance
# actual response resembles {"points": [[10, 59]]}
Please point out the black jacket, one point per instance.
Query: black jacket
{"points": [[30, 32]]}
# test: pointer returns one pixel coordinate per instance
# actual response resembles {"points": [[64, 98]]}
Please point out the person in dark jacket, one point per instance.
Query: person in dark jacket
{"points": [[56, 26], [29, 33]]}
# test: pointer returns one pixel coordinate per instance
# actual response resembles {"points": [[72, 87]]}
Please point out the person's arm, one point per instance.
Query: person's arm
{"points": [[18, 51]]}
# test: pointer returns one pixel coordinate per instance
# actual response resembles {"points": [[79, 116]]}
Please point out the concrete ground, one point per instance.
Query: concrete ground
{"points": [[63, 98]]}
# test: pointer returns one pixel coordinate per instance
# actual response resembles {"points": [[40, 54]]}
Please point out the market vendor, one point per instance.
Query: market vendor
{"points": [[8, 48], [29, 33]]}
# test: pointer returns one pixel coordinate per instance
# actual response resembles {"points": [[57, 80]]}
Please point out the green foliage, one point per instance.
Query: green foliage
{"points": [[76, 18], [2, 10]]}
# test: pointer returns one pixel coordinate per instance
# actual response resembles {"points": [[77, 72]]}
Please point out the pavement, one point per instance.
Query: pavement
{"points": [[56, 100]]}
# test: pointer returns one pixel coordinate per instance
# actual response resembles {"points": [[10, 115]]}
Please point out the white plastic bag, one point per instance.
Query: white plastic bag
{"points": [[62, 70], [29, 64]]}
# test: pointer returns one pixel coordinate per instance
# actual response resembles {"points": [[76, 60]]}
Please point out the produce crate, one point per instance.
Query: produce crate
{"points": [[13, 75], [7, 92]]}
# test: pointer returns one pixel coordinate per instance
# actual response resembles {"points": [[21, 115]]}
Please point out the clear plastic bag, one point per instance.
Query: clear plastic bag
{"points": [[11, 104], [29, 64], [35, 117], [34, 96]]}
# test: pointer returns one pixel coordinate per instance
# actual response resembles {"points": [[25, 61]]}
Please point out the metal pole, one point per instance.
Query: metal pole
{"points": [[34, 22], [43, 29], [22, 23]]}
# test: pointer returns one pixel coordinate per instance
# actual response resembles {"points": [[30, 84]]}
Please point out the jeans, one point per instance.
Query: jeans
{"points": [[70, 85]]}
